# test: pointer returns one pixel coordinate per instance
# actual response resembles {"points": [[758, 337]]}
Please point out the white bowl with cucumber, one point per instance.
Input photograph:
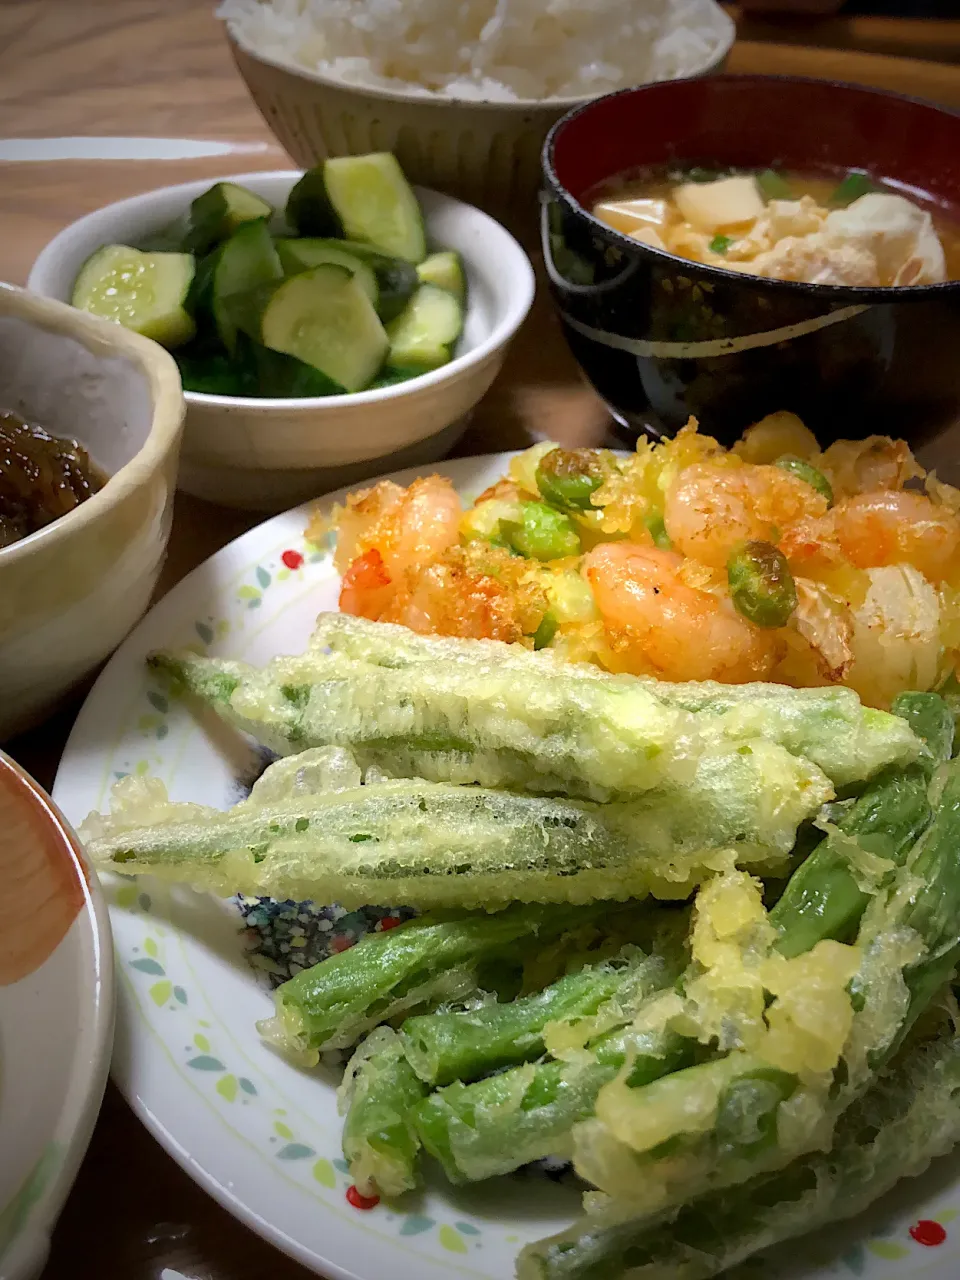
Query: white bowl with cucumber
{"points": [[322, 322]]}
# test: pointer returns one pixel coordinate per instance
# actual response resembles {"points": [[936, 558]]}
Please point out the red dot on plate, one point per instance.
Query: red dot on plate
{"points": [[361, 1202], [928, 1233], [292, 559], [388, 922]]}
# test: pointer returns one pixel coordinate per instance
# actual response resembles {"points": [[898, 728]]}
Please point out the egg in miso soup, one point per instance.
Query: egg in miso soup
{"points": [[787, 225]]}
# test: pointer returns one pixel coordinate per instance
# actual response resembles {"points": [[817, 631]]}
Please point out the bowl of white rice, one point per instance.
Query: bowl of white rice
{"points": [[462, 91]]}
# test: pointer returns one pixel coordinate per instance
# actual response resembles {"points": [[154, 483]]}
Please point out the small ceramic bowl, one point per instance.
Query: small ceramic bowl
{"points": [[268, 455], [56, 1016], [661, 337], [70, 592], [487, 152]]}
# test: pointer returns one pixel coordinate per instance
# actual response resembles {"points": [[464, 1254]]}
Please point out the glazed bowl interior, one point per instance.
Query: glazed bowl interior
{"points": [[759, 122], [663, 337], [102, 401]]}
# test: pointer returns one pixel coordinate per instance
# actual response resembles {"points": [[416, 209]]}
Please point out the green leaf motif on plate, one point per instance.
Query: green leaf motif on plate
{"points": [[227, 1088], [467, 1228], [205, 1063], [248, 1086], [148, 966], [179, 995], [159, 701], [161, 992], [282, 1130], [452, 1240], [263, 577], [150, 947], [324, 1173], [888, 1249], [295, 1151], [416, 1224], [341, 1165], [126, 895], [202, 1043], [204, 632], [853, 1259]]}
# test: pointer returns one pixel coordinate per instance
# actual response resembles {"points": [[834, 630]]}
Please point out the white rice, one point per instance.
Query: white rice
{"points": [[493, 50]]}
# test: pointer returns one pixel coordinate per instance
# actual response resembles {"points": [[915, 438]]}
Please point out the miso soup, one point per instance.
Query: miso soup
{"points": [[786, 225]]}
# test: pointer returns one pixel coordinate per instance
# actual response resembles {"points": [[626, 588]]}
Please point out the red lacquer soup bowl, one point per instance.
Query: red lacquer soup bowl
{"points": [[661, 337]]}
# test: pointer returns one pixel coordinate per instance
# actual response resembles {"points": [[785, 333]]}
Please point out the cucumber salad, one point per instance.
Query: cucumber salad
{"points": [[336, 293], [698, 941]]}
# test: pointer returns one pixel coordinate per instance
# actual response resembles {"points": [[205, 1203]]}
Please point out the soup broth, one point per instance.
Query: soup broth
{"points": [[822, 229]]}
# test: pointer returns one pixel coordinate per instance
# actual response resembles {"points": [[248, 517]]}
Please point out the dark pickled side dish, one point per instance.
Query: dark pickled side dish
{"points": [[42, 477]]}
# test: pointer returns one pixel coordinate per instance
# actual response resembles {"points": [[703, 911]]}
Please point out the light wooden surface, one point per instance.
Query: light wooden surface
{"points": [[160, 68]]}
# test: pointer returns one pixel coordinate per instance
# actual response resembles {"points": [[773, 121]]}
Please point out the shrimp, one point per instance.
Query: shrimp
{"points": [[387, 533], [710, 508], [898, 527], [667, 628], [478, 592], [860, 466]]}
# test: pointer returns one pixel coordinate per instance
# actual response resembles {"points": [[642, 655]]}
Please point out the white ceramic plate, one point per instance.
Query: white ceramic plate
{"points": [[261, 1136]]}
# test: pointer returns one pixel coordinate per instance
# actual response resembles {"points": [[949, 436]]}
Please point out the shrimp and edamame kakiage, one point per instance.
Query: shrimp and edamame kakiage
{"points": [[771, 561]]}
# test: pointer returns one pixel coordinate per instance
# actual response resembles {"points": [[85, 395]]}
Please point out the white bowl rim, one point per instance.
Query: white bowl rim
{"points": [[523, 284], [428, 98], [94, 1070], [102, 338]]}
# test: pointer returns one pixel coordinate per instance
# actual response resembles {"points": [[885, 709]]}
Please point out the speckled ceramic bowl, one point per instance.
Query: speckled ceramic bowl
{"points": [[661, 337], [70, 592], [56, 1016]]}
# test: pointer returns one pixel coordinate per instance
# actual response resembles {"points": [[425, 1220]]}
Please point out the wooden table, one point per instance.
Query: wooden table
{"points": [[160, 68]]}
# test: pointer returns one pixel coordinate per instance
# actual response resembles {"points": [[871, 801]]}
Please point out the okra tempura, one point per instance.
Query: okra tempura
{"points": [[696, 939]]}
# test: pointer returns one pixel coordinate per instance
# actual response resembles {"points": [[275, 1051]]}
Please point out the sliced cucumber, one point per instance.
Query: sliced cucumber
{"points": [[423, 334], [217, 213], [375, 204], [445, 270], [214, 373], [391, 377], [309, 210], [285, 376], [396, 279], [323, 317], [144, 292], [304, 254], [243, 262]]}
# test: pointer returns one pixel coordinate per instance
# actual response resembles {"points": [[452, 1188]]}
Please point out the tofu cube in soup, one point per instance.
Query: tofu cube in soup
{"points": [[728, 202]]}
